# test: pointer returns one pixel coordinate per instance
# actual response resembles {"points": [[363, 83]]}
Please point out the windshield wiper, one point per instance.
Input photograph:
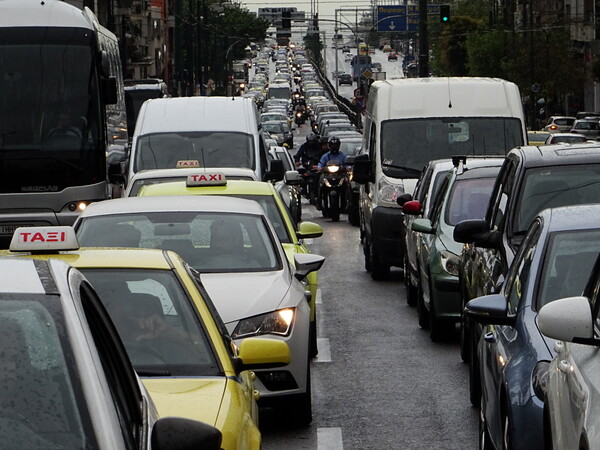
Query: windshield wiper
{"points": [[153, 373], [408, 169]]}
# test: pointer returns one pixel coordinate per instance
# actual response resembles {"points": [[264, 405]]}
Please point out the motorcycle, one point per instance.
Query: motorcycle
{"points": [[310, 180], [299, 117], [332, 190]]}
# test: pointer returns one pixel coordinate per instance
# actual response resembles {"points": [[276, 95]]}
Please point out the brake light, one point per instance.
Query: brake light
{"points": [[553, 127]]}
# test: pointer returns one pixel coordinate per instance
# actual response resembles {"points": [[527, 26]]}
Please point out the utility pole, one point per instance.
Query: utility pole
{"points": [[423, 40]]}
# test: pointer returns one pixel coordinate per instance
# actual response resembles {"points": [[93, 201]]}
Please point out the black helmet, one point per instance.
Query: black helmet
{"points": [[334, 144], [312, 138], [324, 140]]}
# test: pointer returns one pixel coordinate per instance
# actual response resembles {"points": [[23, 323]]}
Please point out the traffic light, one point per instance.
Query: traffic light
{"points": [[444, 13]]}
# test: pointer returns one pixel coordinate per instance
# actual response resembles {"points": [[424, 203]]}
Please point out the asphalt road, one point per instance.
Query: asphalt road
{"points": [[378, 382]]}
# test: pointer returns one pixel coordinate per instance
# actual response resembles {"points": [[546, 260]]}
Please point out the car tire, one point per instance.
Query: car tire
{"points": [[506, 439], [474, 381], [464, 347], [314, 350], [485, 442], [301, 405], [379, 271], [367, 253], [412, 293], [422, 312], [437, 328], [353, 215]]}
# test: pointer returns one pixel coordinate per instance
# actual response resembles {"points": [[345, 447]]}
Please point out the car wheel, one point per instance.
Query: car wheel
{"points": [[367, 253], [422, 312], [301, 405], [464, 345], [436, 326], [314, 351], [412, 294], [379, 271], [474, 381], [353, 216], [485, 442], [506, 439]]}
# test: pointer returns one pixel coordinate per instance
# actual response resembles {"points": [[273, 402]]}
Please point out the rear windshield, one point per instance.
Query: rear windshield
{"points": [[550, 187]]}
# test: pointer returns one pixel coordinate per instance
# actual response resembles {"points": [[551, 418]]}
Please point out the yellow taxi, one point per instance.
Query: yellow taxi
{"points": [[292, 239], [171, 331]]}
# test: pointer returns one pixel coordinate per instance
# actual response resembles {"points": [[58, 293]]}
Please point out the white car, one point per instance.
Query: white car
{"points": [[243, 267], [188, 167], [572, 406], [67, 379]]}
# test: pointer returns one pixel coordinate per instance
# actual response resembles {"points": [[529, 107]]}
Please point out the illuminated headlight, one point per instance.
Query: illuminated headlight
{"points": [[242, 85], [388, 193], [78, 206], [277, 322], [450, 262], [333, 169]]}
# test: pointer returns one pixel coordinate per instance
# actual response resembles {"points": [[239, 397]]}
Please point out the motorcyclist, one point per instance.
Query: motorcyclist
{"points": [[309, 152], [334, 153]]}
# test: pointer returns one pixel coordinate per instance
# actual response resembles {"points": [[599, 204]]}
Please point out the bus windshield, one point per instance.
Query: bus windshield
{"points": [[408, 144], [50, 114]]}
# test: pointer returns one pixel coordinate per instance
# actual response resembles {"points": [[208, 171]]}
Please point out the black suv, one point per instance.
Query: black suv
{"points": [[530, 180]]}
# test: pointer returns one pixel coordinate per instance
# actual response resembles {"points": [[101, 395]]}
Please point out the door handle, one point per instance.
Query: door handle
{"points": [[564, 366], [489, 338]]}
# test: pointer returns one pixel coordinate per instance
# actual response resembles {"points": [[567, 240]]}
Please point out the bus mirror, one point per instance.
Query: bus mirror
{"points": [[104, 64], [110, 90], [361, 171]]}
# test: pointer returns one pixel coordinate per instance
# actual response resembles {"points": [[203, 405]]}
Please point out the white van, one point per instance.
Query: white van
{"points": [[411, 121], [206, 131]]}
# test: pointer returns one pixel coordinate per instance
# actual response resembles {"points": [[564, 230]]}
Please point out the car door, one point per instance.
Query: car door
{"points": [[499, 344]]}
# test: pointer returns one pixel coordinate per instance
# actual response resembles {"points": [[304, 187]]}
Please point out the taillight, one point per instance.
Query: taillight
{"points": [[553, 127]]}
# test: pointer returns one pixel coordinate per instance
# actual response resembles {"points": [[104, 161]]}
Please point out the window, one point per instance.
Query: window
{"points": [[518, 275]]}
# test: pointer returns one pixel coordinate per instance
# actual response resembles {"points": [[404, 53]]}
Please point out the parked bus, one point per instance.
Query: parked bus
{"points": [[62, 113]]}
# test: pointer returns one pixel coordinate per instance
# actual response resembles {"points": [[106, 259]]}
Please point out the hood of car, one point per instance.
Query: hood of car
{"points": [[180, 397], [240, 295]]}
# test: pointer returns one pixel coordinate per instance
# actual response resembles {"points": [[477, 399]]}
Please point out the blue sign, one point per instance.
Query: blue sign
{"points": [[396, 18]]}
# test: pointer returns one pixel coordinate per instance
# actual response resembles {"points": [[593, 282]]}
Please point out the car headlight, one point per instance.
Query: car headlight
{"points": [[450, 262], [539, 379], [388, 193], [277, 322]]}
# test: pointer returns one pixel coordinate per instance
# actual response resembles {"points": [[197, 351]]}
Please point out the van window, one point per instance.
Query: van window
{"points": [[408, 144], [209, 148]]}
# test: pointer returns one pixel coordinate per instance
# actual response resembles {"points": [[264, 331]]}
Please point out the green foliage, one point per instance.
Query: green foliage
{"points": [[450, 49]]}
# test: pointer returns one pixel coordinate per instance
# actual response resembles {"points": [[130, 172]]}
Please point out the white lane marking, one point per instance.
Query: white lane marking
{"points": [[329, 439], [324, 350], [319, 299]]}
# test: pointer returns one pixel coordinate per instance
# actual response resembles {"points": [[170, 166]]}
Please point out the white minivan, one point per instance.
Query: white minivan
{"points": [[411, 121], [203, 132]]}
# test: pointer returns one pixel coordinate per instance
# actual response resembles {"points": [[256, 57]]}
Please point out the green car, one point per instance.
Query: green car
{"points": [[464, 195]]}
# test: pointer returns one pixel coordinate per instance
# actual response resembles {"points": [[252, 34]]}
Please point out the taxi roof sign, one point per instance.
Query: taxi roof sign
{"points": [[43, 239], [206, 179], [187, 163]]}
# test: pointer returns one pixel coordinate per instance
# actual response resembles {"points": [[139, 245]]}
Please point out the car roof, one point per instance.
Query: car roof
{"points": [[174, 203], [557, 154], [575, 217]]}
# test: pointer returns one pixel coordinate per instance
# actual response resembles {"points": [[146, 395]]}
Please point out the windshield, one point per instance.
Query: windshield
{"points": [[273, 127], [549, 187], [469, 199], [42, 400], [411, 143], [282, 92], [209, 148], [568, 263], [142, 301], [50, 118], [209, 242]]}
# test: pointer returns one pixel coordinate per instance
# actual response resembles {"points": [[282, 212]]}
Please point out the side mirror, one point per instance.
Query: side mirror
{"points": [[116, 171], [276, 171], [412, 207], [307, 263], [262, 353], [476, 231], [307, 230], [177, 433], [361, 171], [489, 310], [292, 178], [350, 160], [567, 319], [422, 226], [402, 199]]}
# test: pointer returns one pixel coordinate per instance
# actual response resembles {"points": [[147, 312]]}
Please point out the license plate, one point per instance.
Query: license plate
{"points": [[10, 229]]}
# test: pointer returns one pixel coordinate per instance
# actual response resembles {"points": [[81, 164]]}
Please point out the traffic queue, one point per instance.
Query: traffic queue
{"points": [[185, 356], [497, 242]]}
